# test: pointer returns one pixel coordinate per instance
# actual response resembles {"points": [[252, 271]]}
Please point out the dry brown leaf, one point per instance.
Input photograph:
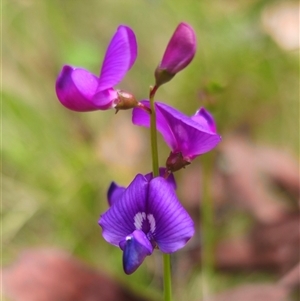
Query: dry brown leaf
{"points": [[47, 275]]}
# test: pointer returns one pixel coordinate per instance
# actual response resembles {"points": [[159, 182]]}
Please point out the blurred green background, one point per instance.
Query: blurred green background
{"points": [[57, 164]]}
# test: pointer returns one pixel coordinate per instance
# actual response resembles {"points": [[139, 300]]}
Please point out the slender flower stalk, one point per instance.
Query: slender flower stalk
{"points": [[155, 166], [153, 133], [167, 277]]}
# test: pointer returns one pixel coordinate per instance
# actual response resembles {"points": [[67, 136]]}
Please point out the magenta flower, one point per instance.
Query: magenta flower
{"points": [[179, 53], [79, 90], [204, 118], [147, 215], [188, 137]]}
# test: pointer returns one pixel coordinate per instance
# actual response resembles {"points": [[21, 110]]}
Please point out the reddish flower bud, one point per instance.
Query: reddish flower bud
{"points": [[179, 53]]}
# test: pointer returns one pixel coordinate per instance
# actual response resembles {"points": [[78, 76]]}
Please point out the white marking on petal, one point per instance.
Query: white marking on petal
{"points": [[138, 220], [152, 223]]}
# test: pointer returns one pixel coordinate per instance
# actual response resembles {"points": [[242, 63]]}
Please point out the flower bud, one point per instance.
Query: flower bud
{"points": [[179, 53]]}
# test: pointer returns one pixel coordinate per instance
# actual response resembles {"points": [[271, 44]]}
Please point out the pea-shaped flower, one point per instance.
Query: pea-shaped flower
{"points": [[145, 216], [179, 53], [80, 90], [115, 191], [188, 137]]}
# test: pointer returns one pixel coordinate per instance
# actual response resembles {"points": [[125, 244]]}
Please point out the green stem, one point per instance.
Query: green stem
{"points": [[167, 277], [153, 133], [155, 167]]}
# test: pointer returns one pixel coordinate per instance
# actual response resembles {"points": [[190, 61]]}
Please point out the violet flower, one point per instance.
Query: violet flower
{"points": [[79, 90], [188, 137], [204, 118], [115, 191], [179, 53], [147, 215]]}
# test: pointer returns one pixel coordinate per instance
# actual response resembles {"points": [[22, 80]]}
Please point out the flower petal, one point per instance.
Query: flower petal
{"points": [[118, 221], [114, 193], [173, 225], [135, 248], [119, 58], [181, 133], [162, 171], [75, 89], [204, 118], [192, 138], [105, 99], [142, 118]]}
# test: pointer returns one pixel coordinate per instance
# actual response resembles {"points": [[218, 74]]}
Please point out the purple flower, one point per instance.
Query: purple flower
{"points": [[188, 137], [115, 191], [204, 118], [79, 90], [179, 53], [147, 215]]}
